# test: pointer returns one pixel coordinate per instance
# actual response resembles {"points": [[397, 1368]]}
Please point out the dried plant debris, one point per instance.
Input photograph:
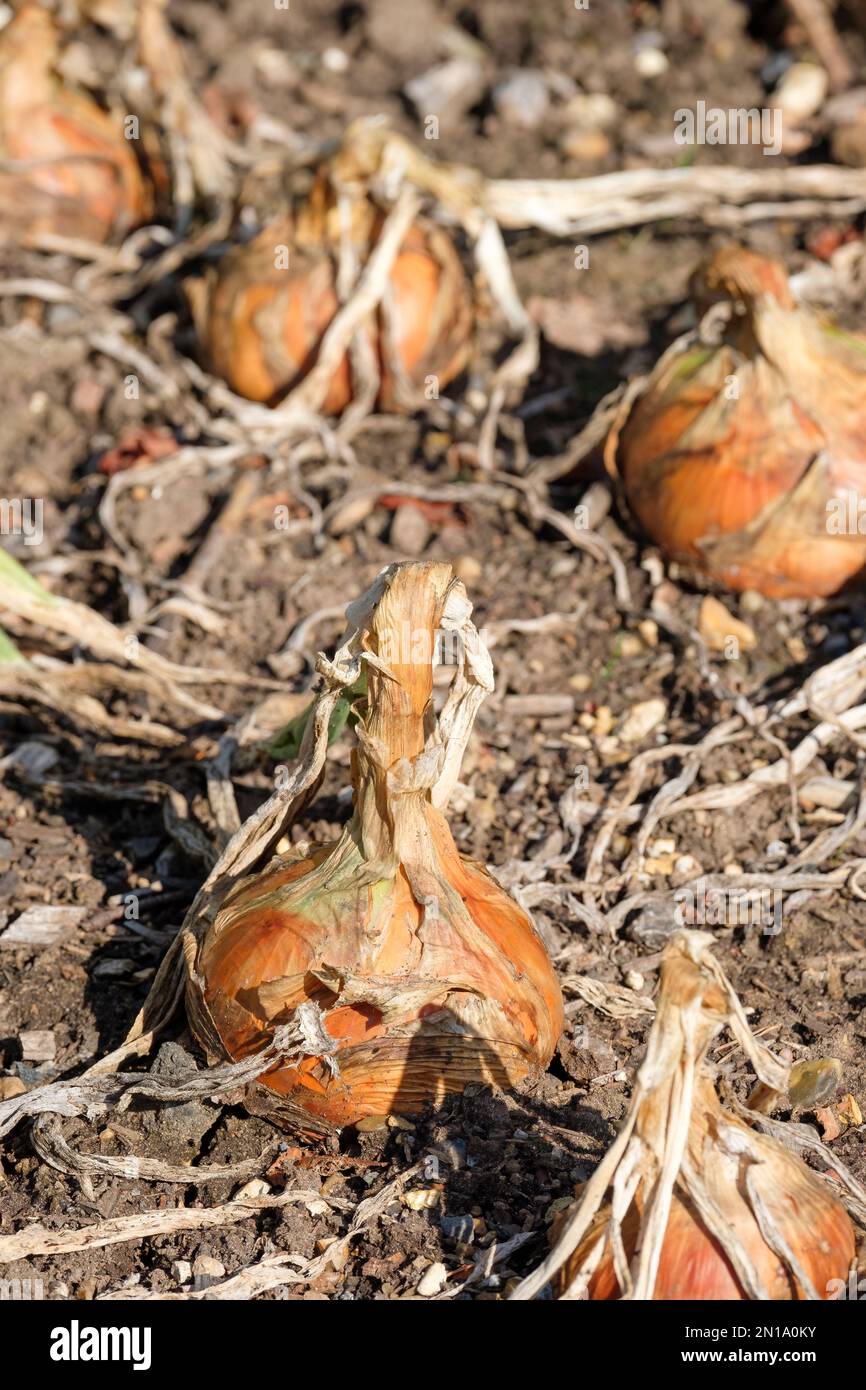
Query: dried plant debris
{"points": [[690, 1202]]}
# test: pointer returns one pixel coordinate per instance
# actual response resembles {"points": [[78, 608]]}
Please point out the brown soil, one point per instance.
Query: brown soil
{"points": [[501, 1160]]}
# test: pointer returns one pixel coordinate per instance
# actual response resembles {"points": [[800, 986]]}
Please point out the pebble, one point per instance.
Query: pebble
{"points": [[182, 1271], [371, 1123], [721, 631], [256, 1187], [523, 98], [733, 869], [641, 720], [112, 969], [335, 60], [651, 62], [751, 601], [580, 682], [38, 1045], [630, 645], [649, 631], [662, 864], [206, 1270], [801, 92], [398, 1122], [410, 531], [11, 1086], [591, 111], [665, 845], [468, 569], [634, 980], [433, 1280], [421, 1198], [833, 793], [587, 146]]}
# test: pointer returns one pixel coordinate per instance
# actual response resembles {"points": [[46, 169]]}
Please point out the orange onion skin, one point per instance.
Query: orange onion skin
{"points": [[262, 326], [693, 1264], [84, 180], [382, 1073], [427, 974], [732, 453]]}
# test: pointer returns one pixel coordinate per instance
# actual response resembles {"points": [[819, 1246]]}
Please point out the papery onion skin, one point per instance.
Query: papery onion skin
{"points": [[731, 453], [693, 1264], [83, 179], [261, 326], [428, 974]]}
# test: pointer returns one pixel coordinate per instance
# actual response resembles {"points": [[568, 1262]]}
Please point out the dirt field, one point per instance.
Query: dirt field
{"points": [[492, 1164]]}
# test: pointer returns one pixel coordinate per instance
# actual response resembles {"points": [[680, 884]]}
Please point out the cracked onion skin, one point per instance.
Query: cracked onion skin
{"points": [[428, 974], [733, 450], [693, 1264], [83, 179]]}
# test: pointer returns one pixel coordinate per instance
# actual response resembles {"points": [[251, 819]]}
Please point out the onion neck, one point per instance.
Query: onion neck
{"points": [[399, 712]]}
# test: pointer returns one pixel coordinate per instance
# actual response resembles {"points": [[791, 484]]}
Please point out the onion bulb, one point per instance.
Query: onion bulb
{"points": [[744, 453], [692, 1201], [261, 314], [427, 974], [69, 170]]}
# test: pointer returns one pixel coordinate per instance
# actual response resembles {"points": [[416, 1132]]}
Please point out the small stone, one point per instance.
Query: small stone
{"points": [[467, 569], [522, 99], [256, 1187], [447, 90], [433, 1280], [347, 517], [38, 1045], [752, 602], [421, 1198], [11, 1086], [113, 968], [662, 865], [630, 645], [833, 793], [649, 632], [634, 980], [801, 92], [849, 1111], [591, 111], [603, 722], [585, 146], [688, 866], [399, 1122], [410, 531], [641, 720], [182, 1271], [335, 60], [664, 845], [206, 1271], [831, 1128], [721, 631], [651, 62], [580, 682], [733, 869], [371, 1123]]}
